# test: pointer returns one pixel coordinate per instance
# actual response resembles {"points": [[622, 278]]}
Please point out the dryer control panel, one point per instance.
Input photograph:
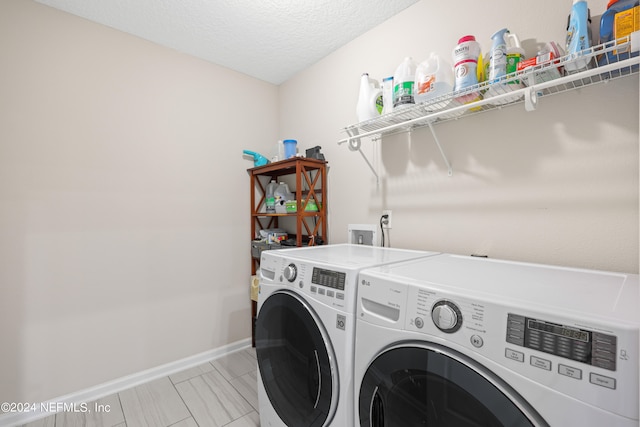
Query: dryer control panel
{"points": [[581, 345]]}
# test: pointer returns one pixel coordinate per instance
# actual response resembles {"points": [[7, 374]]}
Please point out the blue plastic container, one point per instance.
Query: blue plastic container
{"points": [[607, 29], [289, 148], [578, 39]]}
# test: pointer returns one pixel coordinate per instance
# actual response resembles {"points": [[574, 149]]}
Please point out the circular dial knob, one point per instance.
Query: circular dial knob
{"points": [[446, 316], [290, 272]]}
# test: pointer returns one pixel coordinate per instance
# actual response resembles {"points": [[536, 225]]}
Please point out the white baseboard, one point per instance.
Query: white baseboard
{"points": [[105, 389]]}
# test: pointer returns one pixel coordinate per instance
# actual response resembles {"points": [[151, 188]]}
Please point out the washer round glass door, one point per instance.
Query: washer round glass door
{"points": [[295, 360], [429, 385]]}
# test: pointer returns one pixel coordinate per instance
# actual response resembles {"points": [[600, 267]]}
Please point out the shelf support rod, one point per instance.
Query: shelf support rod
{"points": [[370, 165], [444, 157], [354, 145]]}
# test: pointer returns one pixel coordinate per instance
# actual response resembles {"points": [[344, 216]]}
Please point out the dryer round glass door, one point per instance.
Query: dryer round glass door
{"points": [[295, 360], [430, 385]]}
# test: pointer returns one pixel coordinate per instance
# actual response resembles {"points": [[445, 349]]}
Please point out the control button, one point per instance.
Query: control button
{"points": [[514, 355], [339, 295], [540, 363], [604, 339], [515, 319], [419, 322], [604, 363], [534, 345], [313, 289], [515, 339], [610, 348], [321, 291], [477, 341], [290, 272], [515, 329], [569, 371], [604, 353], [446, 316], [330, 294], [602, 381], [564, 341], [301, 284]]}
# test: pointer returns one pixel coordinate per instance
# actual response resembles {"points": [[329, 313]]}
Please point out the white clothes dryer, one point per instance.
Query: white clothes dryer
{"points": [[305, 331], [453, 341]]}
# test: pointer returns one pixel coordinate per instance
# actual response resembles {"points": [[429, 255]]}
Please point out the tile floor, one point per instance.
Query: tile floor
{"points": [[219, 393]]}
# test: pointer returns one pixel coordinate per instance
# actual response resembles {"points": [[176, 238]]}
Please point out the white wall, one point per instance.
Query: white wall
{"points": [[558, 185], [124, 220]]}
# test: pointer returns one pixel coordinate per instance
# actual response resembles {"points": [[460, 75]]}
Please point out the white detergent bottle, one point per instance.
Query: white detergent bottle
{"points": [[434, 78], [403, 83], [498, 56], [369, 100], [270, 200], [281, 195]]}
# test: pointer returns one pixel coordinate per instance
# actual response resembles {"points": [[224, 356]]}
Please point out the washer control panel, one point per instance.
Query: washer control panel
{"points": [[328, 278], [327, 285]]}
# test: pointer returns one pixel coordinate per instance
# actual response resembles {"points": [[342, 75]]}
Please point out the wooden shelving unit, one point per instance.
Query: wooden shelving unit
{"points": [[310, 186]]}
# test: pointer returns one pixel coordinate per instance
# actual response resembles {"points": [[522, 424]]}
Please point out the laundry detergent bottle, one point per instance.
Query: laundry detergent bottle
{"points": [[577, 37], [498, 56], [621, 18], [369, 100], [270, 200], [403, 84]]}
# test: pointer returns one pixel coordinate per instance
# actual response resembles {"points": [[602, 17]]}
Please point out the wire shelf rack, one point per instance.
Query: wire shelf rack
{"points": [[606, 62]]}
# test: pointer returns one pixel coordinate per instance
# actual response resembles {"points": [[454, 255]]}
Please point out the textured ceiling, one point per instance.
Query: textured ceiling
{"points": [[268, 39]]}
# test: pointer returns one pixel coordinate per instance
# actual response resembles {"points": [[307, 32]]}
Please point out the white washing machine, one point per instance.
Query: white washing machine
{"points": [[305, 331], [453, 341]]}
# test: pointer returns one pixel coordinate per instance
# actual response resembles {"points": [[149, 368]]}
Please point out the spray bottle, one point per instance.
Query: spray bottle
{"points": [[498, 56], [514, 54]]}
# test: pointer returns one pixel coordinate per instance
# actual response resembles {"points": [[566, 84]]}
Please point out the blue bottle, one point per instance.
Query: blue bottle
{"points": [[608, 30], [498, 56], [578, 37]]}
